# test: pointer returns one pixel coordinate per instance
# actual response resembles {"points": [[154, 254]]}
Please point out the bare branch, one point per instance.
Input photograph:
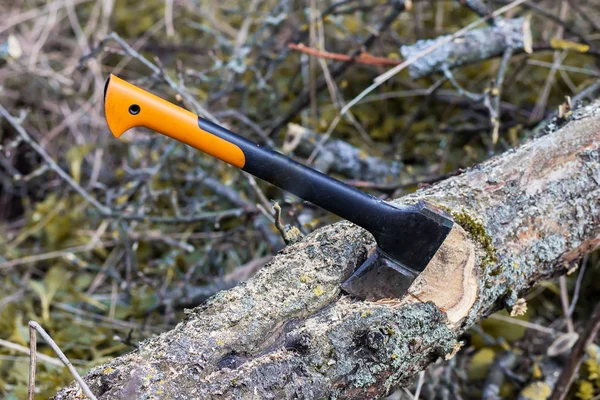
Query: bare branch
{"points": [[476, 45]]}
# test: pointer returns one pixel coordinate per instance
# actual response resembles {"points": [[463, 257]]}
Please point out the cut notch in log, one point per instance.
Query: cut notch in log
{"points": [[450, 279]]}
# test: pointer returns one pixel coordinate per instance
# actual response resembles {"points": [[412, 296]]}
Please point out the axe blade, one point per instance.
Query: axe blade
{"points": [[406, 243], [380, 277]]}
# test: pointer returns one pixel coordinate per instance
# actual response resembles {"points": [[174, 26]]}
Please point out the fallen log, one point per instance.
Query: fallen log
{"points": [[289, 332]]}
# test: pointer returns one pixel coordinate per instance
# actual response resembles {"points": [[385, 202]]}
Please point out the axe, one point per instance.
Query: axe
{"points": [[407, 236]]}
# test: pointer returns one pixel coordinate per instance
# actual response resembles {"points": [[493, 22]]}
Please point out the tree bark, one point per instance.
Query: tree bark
{"points": [[290, 332], [474, 46]]}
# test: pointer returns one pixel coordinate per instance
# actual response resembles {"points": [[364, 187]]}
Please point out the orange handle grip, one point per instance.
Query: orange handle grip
{"points": [[127, 106]]}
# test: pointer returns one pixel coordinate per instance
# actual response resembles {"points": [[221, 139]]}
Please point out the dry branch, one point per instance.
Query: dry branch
{"points": [[340, 157], [289, 332], [363, 58], [474, 46]]}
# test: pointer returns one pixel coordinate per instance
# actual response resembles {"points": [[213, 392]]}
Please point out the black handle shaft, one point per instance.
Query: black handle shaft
{"points": [[307, 183]]}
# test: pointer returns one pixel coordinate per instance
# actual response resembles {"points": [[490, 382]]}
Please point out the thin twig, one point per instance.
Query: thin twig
{"points": [[524, 324], [312, 65], [419, 385], [12, 298], [495, 93], [564, 301], [576, 357], [539, 110], [362, 58], [261, 195], [578, 284], [25, 350], [32, 363], [463, 92], [567, 68], [54, 254], [391, 187], [33, 327], [289, 233], [278, 224], [184, 219], [169, 18]]}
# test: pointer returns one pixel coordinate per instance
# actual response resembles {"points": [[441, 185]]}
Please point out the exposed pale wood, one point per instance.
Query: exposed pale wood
{"points": [[450, 279]]}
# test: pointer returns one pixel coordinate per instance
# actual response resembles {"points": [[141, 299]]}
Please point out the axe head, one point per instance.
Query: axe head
{"points": [[406, 242], [407, 236]]}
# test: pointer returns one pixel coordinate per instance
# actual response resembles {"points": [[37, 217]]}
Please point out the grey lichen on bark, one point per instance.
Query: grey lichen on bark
{"points": [[476, 45], [290, 333]]}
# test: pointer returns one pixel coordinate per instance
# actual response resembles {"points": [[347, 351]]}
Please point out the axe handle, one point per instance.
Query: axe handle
{"points": [[128, 106]]}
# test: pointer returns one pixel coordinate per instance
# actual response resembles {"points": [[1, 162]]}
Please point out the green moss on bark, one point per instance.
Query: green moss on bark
{"points": [[477, 231]]}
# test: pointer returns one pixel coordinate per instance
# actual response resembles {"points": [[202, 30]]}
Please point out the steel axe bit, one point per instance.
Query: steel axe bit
{"points": [[407, 236]]}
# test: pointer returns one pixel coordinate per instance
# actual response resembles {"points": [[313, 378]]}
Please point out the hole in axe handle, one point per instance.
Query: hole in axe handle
{"points": [[380, 277], [134, 109]]}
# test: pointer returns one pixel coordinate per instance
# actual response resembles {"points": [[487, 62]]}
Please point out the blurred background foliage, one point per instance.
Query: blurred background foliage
{"points": [[182, 226]]}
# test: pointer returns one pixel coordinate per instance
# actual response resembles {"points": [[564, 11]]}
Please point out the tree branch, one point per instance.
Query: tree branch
{"points": [[340, 157], [476, 45], [362, 58]]}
